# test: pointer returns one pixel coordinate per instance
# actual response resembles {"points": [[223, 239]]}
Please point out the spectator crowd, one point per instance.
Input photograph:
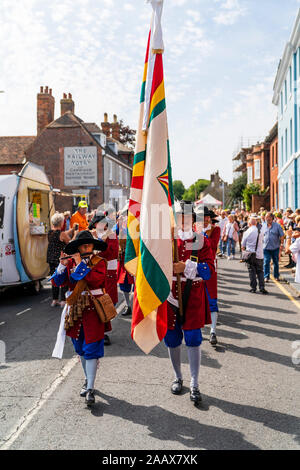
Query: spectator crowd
{"points": [[270, 235]]}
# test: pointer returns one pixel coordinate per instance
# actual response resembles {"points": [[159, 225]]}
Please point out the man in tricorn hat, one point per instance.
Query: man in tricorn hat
{"points": [[195, 265], [83, 272], [212, 232], [102, 229]]}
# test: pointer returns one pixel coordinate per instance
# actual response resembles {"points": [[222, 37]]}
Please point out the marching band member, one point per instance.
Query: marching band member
{"points": [[125, 280], [101, 226], [196, 264], [81, 321], [212, 232]]}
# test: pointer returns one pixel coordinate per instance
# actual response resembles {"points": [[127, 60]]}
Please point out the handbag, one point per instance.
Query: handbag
{"points": [[247, 255], [104, 307]]}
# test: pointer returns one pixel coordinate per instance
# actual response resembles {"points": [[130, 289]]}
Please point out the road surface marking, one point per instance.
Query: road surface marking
{"points": [[286, 293], [2, 323], [23, 311], [45, 300], [25, 420]]}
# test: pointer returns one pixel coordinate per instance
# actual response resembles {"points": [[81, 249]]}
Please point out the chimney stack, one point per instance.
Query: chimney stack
{"points": [[66, 104], [45, 108], [106, 126], [116, 129]]}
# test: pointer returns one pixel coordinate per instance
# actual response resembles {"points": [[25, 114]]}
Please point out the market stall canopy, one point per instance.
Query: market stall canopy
{"points": [[209, 200]]}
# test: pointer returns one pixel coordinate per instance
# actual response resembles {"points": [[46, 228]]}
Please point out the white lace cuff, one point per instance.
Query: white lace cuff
{"points": [[60, 268], [190, 271]]}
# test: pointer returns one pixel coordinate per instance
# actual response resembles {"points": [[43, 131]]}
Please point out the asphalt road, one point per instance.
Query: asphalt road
{"points": [[249, 384]]}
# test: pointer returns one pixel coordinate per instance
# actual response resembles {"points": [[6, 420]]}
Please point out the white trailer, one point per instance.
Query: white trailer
{"points": [[26, 206]]}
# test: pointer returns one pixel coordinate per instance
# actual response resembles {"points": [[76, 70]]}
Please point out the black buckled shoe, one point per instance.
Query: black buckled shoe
{"points": [[176, 387], [107, 341], [264, 291], [127, 312], [195, 395], [84, 389], [213, 339], [90, 397]]}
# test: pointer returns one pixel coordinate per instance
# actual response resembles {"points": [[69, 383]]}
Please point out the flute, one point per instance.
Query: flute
{"points": [[85, 255]]}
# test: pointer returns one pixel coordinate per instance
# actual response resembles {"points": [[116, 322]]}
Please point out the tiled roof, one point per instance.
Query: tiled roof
{"points": [[12, 149], [66, 120], [92, 127]]}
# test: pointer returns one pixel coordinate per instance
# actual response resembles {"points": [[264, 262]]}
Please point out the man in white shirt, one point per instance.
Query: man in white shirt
{"points": [[222, 222], [253, 243]]}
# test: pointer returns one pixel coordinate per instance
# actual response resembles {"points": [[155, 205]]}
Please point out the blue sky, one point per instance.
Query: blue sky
{"points": [[220, 60]]}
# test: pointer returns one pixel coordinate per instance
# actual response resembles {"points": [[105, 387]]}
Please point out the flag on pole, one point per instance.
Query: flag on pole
{"points": [[149, 233]]}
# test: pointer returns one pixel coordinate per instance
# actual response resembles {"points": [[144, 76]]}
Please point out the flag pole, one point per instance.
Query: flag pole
{"points": [[178, 276]]}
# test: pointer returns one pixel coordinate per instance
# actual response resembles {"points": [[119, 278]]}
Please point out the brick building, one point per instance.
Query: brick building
{"points": [[217, 188], [262, 169], [258, 165], [79, 158], [274, 190], [12, 153]]}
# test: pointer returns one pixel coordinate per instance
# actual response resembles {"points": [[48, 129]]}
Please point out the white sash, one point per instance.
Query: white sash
{"points": [[112, 265], [61, 334]]}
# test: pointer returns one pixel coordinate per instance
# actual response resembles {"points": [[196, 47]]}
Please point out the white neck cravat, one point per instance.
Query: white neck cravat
{"points": [[185, 235]]}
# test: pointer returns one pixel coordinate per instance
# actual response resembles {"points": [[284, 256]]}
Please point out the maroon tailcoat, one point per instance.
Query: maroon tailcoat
{"points": [[110, 254], [93, 328], [197, 312], [214, 239]]}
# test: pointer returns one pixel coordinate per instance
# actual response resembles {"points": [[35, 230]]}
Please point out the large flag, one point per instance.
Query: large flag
{"points": [[149, 238]]}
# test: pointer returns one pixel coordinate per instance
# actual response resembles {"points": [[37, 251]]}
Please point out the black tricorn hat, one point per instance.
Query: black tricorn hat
{"points": [[211, 214], [83, 238], [184, 207], [98, 218]]}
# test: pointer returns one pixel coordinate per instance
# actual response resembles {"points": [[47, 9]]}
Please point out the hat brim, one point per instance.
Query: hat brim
{"points": [[72, 247], [96, 220]]}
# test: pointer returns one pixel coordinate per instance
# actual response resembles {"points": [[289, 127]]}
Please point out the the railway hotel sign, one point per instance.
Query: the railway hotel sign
{"points": [[80, 166]]}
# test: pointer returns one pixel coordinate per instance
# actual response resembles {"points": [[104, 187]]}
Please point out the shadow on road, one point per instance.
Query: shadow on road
{"points": [[263, 355], [167, 426]]}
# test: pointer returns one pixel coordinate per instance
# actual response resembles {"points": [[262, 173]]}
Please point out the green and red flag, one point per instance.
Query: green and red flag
{"points": [[149, 233]]}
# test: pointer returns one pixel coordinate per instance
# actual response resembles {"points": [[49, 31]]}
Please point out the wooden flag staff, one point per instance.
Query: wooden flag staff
{"points": [[178, 276]]}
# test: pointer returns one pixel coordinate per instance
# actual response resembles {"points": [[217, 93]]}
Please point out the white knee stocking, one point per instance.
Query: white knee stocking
{"points": [[175, 356], [194, 355], [83, 363], [214, 318], [91, 369]]}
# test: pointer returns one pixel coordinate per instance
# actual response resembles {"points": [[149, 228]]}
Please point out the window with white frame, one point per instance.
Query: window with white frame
{"points": [[285, 92], [249, 175], [291, 137], [110, 170], [120, 175], [256, 169]]}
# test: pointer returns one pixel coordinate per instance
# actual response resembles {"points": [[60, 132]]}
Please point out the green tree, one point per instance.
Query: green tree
{"points": [[195, 190], [178, 189], [237, 188], [247, 194], [127, 135]]}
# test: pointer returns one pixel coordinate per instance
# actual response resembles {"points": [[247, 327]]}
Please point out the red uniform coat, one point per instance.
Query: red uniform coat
{"points": [[93, 328], [214, 239], [110, 254], [121, 273], [197, 312]]}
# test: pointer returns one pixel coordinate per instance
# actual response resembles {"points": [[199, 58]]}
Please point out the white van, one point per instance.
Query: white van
{"points": [[26, 207]]}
